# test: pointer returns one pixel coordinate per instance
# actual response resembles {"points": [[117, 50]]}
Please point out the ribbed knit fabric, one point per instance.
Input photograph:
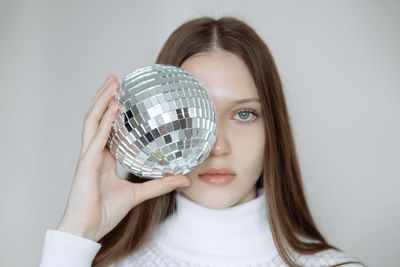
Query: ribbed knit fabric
{"points": [[194, 236]]}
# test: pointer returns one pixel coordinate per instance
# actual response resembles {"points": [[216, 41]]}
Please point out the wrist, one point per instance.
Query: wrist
{"points": [[75, 230]]}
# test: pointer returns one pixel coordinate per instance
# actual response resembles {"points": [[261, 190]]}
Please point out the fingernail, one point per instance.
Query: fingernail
{"points": [[115, 106]]}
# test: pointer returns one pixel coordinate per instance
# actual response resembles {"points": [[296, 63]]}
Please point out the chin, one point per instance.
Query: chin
{"points": [[214, 198]]}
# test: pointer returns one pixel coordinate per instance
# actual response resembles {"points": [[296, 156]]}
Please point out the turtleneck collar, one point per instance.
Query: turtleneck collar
{"points": [[240, 233]]}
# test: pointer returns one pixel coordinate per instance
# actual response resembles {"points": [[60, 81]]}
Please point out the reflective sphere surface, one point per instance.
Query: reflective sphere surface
{"points": [[166, 122]]}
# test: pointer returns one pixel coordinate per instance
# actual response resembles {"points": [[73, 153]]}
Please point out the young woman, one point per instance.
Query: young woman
{"points": [[243, 206]]}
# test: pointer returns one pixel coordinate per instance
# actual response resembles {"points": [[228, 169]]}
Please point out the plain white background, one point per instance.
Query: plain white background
{"points": [[338, 60]]}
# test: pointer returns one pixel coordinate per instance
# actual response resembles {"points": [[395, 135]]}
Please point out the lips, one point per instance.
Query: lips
{"points": [[222, 171], [217, 176]]}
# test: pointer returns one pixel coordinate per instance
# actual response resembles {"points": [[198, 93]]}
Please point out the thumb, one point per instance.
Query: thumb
{"points": [[158, 187]]}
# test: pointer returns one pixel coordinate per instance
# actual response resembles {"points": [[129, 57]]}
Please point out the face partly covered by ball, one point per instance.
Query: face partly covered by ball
{"points": [[229, 174], [166, 123]]}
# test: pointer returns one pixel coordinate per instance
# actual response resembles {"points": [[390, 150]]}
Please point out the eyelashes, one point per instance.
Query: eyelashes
{"points": [[243, 112]]}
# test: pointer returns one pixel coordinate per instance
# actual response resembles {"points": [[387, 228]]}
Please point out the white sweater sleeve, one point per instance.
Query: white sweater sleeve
{"points": [[63, 249]]}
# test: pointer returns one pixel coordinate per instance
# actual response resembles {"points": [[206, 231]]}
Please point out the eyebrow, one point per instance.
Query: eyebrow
{"points": [[247, 100]]}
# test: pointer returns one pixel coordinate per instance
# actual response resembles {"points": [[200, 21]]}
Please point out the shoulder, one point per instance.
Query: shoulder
{"points": [[329, 257]]}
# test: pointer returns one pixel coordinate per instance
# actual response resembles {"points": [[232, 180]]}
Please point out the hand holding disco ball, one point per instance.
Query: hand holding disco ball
{"points": [[166, 122]]}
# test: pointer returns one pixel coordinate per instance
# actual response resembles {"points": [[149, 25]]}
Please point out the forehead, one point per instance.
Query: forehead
{"points": [[225, 75]]}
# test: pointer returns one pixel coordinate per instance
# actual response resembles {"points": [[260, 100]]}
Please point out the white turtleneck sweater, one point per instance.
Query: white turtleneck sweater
{"points": [[194, 236]]}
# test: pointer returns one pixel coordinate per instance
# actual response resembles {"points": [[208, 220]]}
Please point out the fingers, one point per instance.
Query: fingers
{"points": [[103, 131], [96, 111], [102, 89], [158, 187]]}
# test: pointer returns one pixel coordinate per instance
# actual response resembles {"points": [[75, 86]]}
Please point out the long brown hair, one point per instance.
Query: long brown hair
{"points": [[288, 214]]}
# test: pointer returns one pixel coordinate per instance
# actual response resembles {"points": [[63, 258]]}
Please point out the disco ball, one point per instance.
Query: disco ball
{"points": [[166, 123]]}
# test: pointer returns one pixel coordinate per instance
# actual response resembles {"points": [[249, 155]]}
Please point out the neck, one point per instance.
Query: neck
{"points": [[240, 231]]}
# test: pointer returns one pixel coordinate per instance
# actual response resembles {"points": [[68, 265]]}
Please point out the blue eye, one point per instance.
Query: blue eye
{"points": [[246, 116]]}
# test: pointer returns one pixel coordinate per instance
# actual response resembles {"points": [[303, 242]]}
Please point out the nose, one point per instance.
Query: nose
{"points": [[222, 145]]}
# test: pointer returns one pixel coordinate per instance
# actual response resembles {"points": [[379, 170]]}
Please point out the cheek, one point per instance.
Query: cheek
{"points": [[248, 143]]}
